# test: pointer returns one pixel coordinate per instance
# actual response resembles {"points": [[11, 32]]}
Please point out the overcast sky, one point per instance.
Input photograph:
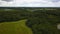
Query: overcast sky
{"points": [[29, 3]]}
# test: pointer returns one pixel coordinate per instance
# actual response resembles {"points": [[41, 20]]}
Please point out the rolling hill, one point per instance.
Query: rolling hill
{"points": [[17, 27]]}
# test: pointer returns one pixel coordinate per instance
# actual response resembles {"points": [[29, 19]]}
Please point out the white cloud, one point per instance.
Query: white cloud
{"points": [[30, 3]]}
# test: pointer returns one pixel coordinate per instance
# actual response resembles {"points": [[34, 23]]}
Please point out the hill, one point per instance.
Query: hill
{"points": [[17, 27]]}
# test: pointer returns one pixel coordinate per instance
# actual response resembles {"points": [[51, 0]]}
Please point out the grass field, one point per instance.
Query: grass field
{"points": [[17, 27]]}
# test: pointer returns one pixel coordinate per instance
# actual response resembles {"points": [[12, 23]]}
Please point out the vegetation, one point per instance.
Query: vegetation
{"points": [[17, 27], [40, 20]]}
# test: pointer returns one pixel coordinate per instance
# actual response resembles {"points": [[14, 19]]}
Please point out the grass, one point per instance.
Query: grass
{"points": [[17, 27]]}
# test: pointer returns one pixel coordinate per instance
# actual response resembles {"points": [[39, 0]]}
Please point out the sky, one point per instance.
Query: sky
{"points": [[29, 3]]}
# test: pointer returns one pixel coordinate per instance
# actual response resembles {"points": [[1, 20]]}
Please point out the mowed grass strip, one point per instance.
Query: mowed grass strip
{"points": [[17, 27]]}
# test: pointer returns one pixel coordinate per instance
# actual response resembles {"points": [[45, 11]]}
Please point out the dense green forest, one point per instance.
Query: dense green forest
{"points": [[40, 20]]}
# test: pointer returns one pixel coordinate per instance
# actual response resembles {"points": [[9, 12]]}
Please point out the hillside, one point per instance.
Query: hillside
{"points": [[17, 27]]}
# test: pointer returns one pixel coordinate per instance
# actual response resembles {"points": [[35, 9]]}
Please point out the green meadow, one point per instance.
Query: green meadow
{"points": [[17, 27]]}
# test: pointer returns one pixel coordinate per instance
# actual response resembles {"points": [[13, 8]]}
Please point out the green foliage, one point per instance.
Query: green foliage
{"points": [[44, 22], [40, 21], [12, 15]]}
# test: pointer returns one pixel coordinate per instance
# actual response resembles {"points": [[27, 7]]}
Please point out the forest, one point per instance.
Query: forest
{"points": [[40, 20]]}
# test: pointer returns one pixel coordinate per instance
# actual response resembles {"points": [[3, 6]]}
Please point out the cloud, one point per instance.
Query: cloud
{"points": [[7, 0], [54, 0], [30, 3], [41, 3]]}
